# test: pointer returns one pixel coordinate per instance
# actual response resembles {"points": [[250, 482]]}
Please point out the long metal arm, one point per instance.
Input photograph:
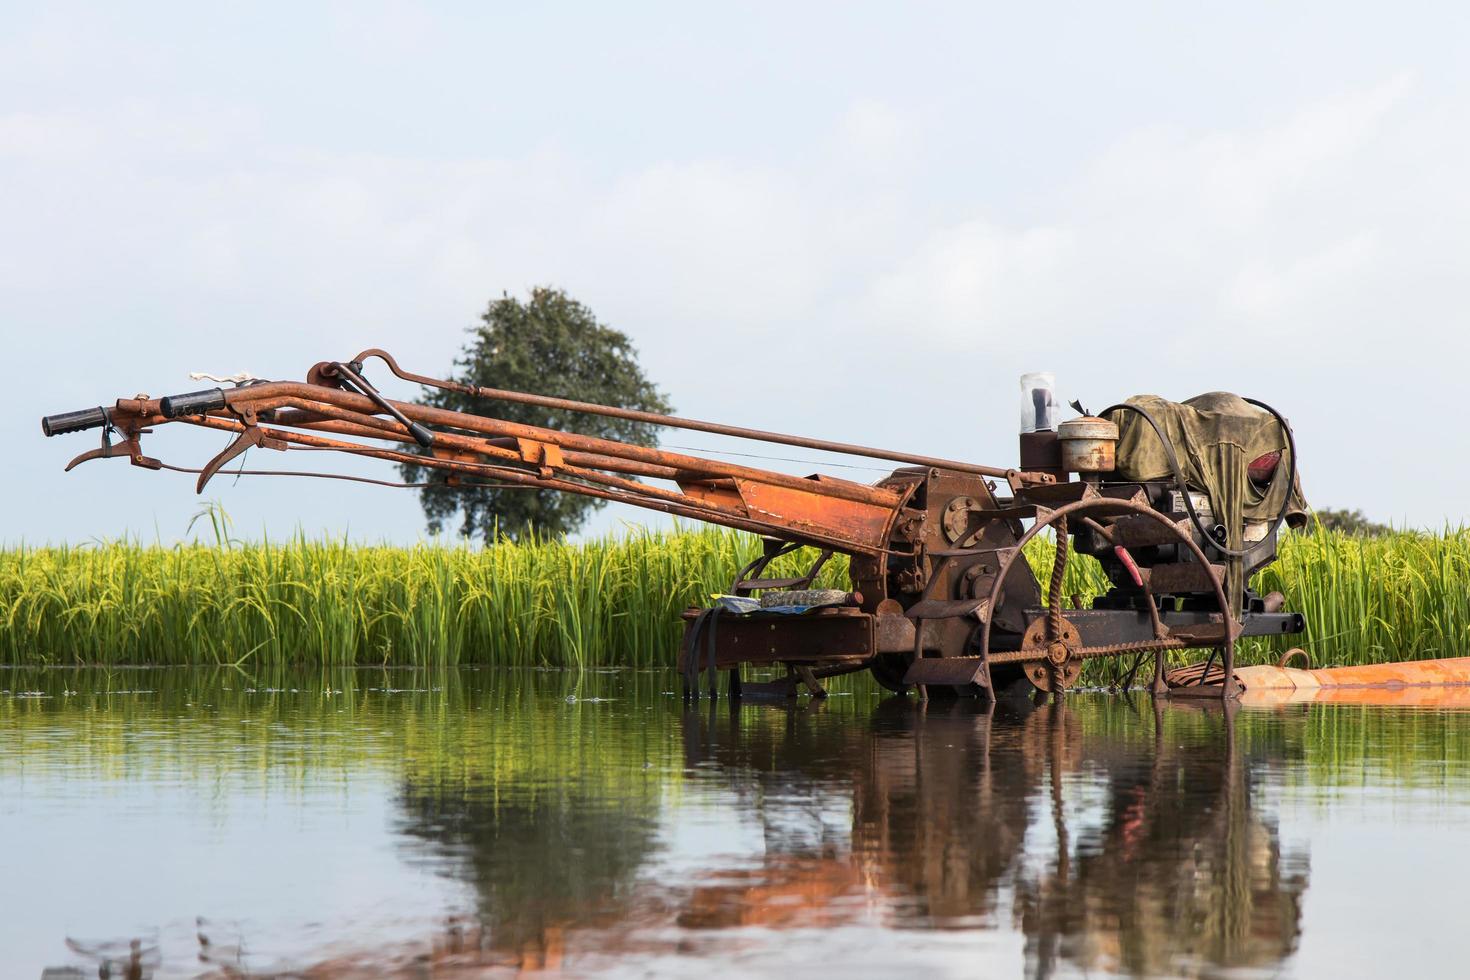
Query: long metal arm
{"points": [[677, 422], [473, 450]]}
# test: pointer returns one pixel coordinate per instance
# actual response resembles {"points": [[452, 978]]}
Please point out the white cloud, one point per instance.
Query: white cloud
{"points": [[44, 138], [1273, 293], [1231, 181], [1175, 259], [707, 240], [876, 135], [1247, 230], [1245, 224], [977, 283]]}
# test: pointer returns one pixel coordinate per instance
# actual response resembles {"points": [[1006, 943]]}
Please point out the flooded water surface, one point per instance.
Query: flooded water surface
{"points": [[188, 823]]}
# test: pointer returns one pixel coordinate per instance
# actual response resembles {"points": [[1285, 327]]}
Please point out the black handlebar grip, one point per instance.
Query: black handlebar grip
{"points": [[193, 403], [87, 418]]}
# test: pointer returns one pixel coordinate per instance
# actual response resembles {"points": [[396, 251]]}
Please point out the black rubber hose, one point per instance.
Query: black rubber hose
{"points": [[1183, 485], [87, 418]]}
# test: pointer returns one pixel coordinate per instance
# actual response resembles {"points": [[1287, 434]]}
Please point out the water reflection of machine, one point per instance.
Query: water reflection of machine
{"points": [[1105, 845], [1143, 855]]}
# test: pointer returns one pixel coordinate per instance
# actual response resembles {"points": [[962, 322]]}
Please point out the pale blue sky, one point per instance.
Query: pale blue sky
{"points": [[854, 221]]}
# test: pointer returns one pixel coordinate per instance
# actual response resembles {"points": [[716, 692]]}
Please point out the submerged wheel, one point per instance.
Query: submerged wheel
{"points": [[888, 670]]}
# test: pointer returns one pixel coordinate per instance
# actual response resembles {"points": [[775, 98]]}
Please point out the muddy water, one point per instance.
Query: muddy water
{"points": [[476, 823]]}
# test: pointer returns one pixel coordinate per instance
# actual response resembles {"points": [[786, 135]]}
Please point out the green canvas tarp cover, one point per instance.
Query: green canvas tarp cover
{"points": [[1216, 436]]}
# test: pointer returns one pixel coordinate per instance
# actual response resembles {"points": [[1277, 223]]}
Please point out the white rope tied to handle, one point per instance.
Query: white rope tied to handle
{"points": [[237, 379]]}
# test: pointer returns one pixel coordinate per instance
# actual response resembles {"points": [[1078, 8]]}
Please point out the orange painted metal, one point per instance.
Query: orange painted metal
{"points": [[1444, 683], [829, 512], [811, 511], [1456, 697]]}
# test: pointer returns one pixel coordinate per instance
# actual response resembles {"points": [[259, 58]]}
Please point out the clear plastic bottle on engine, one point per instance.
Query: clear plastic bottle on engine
{"points": [[1039, 450]]}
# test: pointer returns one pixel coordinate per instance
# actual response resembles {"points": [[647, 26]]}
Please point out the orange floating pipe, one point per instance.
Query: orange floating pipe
{"points": [[1443, 683]]}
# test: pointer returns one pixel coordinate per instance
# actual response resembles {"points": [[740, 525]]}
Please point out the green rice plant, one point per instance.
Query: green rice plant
{"points": [[613, 601], [1373, 599], [610, 601]]}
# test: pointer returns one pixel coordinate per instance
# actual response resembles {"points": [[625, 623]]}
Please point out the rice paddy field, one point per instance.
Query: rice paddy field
{"points": [[612, 602], [316, 759]]}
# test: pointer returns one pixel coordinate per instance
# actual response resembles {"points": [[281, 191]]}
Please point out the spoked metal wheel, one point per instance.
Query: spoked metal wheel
{"points": [[1052, 649]]}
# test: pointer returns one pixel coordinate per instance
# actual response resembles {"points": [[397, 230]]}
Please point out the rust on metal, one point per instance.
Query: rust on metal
{"points": [[823, 636], [938, 597], [957, 672], [1088, 445], [673, 421]]}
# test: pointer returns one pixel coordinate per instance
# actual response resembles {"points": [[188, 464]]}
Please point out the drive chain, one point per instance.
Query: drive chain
{"points": [[1088, 653]]}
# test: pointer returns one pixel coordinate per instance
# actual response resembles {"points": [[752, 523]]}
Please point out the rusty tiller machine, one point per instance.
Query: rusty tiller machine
{"points": [[1181, 504]]}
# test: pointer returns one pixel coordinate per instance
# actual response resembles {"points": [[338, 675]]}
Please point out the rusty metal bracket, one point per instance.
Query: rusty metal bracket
{"points": [[250, 437], [130, 445], [127, 447], [546, 457]]}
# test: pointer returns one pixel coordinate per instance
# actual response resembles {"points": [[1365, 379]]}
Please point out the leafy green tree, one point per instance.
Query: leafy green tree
{"points": [[550, 345], [1350, 522]]}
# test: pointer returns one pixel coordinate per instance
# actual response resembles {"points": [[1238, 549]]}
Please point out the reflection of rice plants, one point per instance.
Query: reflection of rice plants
{"points": [[277, 725], [604, 602]]}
